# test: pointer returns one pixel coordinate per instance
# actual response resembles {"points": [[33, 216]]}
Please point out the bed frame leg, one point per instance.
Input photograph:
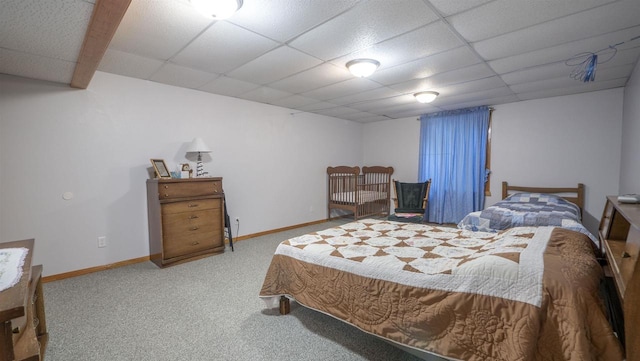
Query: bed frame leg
{"points": [[285, 306]]}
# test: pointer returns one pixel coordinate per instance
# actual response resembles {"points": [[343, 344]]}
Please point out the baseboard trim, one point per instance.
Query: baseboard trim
{"points": [[85, 271]]}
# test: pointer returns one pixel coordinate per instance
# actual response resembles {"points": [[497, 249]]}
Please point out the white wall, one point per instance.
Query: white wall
{"points": [[558, 141], [630, 162], [96, 143]]}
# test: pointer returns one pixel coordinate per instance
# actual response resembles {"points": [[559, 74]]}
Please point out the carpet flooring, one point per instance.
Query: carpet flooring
{"points": [[206, 309]]}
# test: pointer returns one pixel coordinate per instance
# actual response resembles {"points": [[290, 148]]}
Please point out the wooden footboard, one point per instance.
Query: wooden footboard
{"points": [[361, 195]]}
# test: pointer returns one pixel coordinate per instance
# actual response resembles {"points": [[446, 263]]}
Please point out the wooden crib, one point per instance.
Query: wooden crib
{"points": [[362, 194]]}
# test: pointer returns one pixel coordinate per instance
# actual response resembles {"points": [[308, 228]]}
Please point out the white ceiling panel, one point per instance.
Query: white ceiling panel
{"points": [[375, 94], [362, 26], [264, 94], [182, 76], [505, 16], [341, 89], [292, 53], [425, 41], [423, 68], [318, 77], [293, 101], [282, 20], [210, 51], [60, 24], [448, 7], [275, 65], [128, 64], [589, 87], [564, 30], [225, 85], [158, 29], [35, 67]]}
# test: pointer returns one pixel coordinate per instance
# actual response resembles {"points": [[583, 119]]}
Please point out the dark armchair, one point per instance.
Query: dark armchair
{"points": [[411, 197]]}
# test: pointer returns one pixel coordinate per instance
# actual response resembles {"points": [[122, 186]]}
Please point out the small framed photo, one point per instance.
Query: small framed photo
{"points": [[161, 168]]}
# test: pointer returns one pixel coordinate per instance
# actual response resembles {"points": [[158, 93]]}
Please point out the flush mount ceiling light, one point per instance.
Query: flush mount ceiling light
{"points": [[426, 97], [363, 67], [218, 9]]}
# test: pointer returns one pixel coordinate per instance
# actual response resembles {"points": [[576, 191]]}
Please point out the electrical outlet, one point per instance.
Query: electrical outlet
{"points": [[102, 242]]}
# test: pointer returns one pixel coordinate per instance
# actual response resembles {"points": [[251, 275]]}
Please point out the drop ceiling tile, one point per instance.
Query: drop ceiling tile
{"points": [[223, 47], [225, 85], [35, 67], [358, 115], [181, 76], [425, 41], [567, 82], [127, 64], [448, 7], [502, 16], [471, 86], [474, 103], [282, 20], [341, 89], [547, 71], [582, 88], [426, 67], [158, 29], [317, 106], [375, 106], [470, 73], [264, 94], [314, 78], [275, 65], [560, 31], [366, 24], [52, 28], [373, 118], [561, 53], [375, 94], [456, 99], [294, 101], [337, 111]]}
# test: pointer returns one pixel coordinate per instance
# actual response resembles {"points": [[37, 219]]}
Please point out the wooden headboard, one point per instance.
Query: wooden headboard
{"points": [[574, 195]]}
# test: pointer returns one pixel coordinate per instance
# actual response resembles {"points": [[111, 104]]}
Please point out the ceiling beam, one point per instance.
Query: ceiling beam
{"points": [[105, 20]]}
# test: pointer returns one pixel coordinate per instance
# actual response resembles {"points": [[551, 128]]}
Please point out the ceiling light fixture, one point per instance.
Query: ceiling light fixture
{"points": [[426, 97], [218, 9], [363, 67]]}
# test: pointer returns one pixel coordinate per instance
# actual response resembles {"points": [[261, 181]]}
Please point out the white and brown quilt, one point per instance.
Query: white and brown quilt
{"points": [[527, 293]]}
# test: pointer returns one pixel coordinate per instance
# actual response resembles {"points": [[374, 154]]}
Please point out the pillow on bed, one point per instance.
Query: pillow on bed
{"points": [[525, 209]]}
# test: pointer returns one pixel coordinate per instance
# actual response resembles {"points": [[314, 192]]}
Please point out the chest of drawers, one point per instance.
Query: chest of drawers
{"points": [[186, 219]]}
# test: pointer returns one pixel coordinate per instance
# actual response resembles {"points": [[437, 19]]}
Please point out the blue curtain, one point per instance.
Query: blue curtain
{"points": [[453, 154]]}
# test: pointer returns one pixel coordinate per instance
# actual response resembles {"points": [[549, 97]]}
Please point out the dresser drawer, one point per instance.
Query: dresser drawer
{"points": [[170, 190], [189, 232], [191, 206]]}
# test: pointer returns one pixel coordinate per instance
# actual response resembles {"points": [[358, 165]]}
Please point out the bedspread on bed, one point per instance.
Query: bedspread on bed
{"points": [[523, 294], [526, 209]]}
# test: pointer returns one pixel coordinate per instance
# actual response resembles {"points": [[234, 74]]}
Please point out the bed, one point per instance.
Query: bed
{"points": [[527, 293], [363, 194], [531, 206]]}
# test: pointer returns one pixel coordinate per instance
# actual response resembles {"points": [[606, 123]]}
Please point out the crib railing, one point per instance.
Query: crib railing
{"points": [[363, 194]]}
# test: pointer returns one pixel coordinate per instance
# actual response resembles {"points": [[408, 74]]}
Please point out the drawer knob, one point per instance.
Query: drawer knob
{"points": [[195, 243], [195, 228], [166, 186], [193, 205], [166, 195], [193, 217]]}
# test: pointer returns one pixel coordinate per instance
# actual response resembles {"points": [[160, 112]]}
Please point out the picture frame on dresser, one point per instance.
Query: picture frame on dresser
{"points": [[161, 168]]}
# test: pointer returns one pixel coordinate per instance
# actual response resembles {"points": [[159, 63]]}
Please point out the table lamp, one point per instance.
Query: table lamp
{"points": [[198, 146]]}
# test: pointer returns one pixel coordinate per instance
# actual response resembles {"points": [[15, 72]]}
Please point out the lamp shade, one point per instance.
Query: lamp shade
{"points": [[426, 97], [217, 9], [362, 67], [198, 146]]}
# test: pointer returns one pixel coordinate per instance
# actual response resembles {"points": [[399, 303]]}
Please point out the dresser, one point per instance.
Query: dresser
{"points": [[23, 327], [186, 219], [619, 235]]}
